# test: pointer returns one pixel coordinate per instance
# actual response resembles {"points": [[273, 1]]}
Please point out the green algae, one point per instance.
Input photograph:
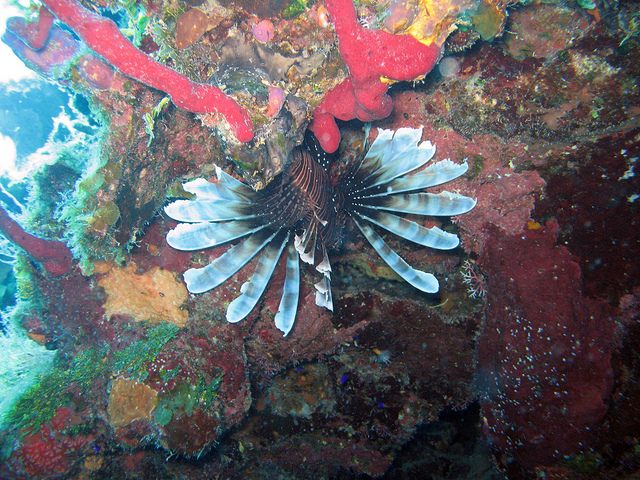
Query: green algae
{"points": [[185, 398], [91, 184], [71, 378], [131, 361], [488, 20], [295, 8], [105, 217], [477, 165], [37, 406]]}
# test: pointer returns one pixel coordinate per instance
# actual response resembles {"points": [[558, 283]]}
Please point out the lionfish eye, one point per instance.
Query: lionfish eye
{"points": [[301, 211]]}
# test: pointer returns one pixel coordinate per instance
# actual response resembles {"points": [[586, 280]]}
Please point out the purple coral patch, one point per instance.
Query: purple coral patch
{"points": [[263, 31]]}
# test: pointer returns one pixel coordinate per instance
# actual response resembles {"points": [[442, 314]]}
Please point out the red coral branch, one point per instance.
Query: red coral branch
{"points": [[104, 38], [371, 56], [34, 34], [59, 48], [54, 256]]}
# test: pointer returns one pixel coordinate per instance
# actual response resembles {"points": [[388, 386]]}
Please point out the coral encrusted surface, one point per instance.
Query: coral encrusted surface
{"points": [[523, 365]]}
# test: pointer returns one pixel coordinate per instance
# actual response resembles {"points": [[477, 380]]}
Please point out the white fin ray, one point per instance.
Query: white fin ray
{"points": [[419, 279], [395, 155], [226, 188], [200, 280], [441, 172], [254, 288], [207, 210], [288, 307], [204, 190], [324, 266], [324, 297], [438, 204], [196, 236], [302, 244], [432, 237], [238, 188]]}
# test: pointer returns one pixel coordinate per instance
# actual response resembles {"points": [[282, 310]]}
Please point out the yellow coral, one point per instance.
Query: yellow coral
{"points": [[129, 401], [428, 21], [154, 296]]}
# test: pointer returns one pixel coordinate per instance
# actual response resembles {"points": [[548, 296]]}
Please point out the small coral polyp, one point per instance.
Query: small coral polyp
{"points": [[302, 211]]}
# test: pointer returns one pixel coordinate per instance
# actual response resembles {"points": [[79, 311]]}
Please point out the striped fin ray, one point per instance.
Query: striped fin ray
{"points": [[439, 204], [227, 188], [320, 156], [288, 307], [441, 172], [196, 236], [324, 298], [208, 210], [323, 292], [419, 279], [200, 280], [238, 188], [429, 237], [301, 244], [402, 154], [254, 288]]}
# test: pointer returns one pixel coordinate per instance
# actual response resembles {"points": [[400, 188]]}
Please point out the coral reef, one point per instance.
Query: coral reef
{"points": [[51, 451], [545, 353], [154, 296], [370, 55], [523, 365], [103, 37]]}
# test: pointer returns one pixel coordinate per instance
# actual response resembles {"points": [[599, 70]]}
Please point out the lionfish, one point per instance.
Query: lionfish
{"points": [[302, 211]]}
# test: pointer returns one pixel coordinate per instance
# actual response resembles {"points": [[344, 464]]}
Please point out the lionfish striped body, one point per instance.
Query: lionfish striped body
{"points": [[301, 211]]}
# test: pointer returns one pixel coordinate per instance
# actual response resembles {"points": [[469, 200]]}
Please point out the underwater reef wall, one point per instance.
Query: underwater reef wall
{"points": [[523, 365]]}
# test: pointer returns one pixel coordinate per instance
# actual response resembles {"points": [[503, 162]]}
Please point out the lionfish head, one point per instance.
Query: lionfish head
{"points": [[302, 212]]}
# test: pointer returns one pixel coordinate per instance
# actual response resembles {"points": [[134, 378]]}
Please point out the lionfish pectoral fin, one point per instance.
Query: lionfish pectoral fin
{"points": [[324, 298], [437, 204], [432, 237], [307, 254], [200, 280], [324, 266], [419, 279], [203, 190], [440, 172], [235, 187], [286, 315], [323, 292], [207, 210], [254, 288], [394, 154], [196, 236], [224, 189]]}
